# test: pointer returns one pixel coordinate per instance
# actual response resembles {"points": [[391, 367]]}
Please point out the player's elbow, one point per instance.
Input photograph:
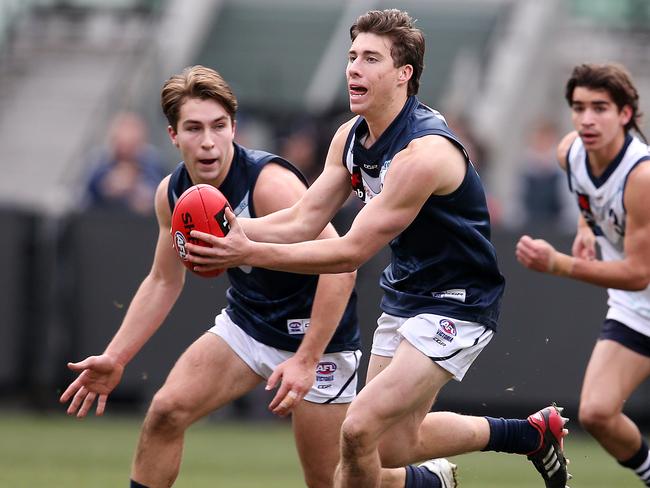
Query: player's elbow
{"points": [[639, 283], [352, 258], [637, 278], [174, 282]]}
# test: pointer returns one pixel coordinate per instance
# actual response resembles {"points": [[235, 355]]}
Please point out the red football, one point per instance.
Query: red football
{"points": [[200, 207]]}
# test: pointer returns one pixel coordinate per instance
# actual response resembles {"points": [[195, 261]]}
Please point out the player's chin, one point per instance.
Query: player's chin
{"points": [[357, 103]]}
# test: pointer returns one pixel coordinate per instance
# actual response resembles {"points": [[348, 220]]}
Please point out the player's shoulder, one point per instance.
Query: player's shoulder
{"points": [[277, 187], [161, 201], [640, 173], [636, 197], [276, 171], [564, 146], [430, 149]]}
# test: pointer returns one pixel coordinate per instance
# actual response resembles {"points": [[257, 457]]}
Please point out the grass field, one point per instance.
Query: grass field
{"points": [[59, 452]]}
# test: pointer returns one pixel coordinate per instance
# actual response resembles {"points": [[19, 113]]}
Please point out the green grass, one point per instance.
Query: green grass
{"points": [[60, 452]]}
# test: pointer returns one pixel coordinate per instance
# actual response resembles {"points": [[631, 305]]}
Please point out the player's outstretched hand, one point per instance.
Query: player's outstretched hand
{"points": [[296, 377], [535, 254], [99, 376], [221, 252]]}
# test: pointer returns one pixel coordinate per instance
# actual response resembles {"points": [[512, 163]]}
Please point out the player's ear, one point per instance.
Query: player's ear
{"points": [[626, 114], [172, 135], [405, 73]]}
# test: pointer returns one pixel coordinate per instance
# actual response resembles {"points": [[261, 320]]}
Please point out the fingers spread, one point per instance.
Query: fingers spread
{"points": [[87, 404], [69, 391], [101, 405]]}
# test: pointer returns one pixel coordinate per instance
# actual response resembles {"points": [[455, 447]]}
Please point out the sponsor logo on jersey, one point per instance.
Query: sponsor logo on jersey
{"points": [[297, 326], [370, 167], [325, 371], [587, 213], [180, 244], [357, 182], [455, 294]]}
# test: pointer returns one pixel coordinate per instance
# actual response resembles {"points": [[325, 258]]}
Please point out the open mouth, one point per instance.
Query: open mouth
{"points": [[588, 137], [207, 161], [357, 90]]}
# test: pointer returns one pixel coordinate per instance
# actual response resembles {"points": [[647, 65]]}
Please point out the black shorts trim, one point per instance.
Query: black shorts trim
{"points": [[629, 338]]}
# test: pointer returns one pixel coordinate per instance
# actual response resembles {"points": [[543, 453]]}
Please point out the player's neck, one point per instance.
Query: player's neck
{"points": [[601, 158], [380, 118]]}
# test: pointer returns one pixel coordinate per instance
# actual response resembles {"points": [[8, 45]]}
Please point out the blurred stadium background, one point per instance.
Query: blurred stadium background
{"points": [[495, 68]]}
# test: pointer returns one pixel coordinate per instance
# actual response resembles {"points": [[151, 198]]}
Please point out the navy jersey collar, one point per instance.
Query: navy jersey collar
{"points": [[381, 145], [599, 181]]}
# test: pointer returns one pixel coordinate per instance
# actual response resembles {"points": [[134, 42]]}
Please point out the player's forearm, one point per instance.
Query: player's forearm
{"points": [[148, 309], [331, 299], [324, 256], [283, 226], [622, 275]]}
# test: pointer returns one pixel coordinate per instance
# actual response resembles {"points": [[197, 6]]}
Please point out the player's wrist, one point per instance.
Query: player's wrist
{"points": [[561, 264], [307, 358]]}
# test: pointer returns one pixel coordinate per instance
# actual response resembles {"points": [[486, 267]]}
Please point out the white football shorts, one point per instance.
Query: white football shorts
{"points": [[451, 343], [336, 373]]}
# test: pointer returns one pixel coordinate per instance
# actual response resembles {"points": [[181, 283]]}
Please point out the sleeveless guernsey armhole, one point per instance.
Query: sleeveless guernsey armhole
{"points": [[641, 160]]}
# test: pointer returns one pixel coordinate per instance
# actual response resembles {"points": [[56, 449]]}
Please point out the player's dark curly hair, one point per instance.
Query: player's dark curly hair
{"points": [[195, 82], [615, 80], [408, 41]]}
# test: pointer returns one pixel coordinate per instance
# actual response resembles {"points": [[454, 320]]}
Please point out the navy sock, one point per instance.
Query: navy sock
{"points": [[512, 435], [135, 484], [640, 463], [420, 477]]}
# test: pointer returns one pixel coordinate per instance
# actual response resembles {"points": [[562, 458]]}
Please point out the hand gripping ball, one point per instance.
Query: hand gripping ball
{"points": [[201, 207]]}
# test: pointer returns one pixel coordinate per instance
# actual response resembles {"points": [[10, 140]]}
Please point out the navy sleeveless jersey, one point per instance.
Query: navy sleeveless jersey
{"points": [[271, 306], [443, 262]]}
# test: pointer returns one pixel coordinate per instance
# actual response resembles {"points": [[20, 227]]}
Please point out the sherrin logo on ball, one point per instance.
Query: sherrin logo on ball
{"points": [[201, 207]]}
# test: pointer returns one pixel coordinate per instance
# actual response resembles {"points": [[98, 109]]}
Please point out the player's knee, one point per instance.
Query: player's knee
{"points": [[356, 434], [167, 414], [595, 416]]}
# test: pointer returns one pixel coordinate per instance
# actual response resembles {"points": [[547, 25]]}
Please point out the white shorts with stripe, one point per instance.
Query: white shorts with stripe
{"points": [[335, 376], [451, 343]]}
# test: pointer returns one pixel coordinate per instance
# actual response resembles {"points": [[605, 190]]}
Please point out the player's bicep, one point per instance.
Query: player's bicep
{"points": [[386, 215], [637, 231], [166, 263]]}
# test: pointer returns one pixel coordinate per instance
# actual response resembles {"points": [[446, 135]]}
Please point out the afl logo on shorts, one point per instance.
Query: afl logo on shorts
{"points": [[325, 373], [325, 368], [448, 327], [180, 244]]}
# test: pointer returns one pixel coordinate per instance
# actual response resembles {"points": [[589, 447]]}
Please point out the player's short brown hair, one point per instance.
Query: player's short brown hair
{"points": [[408, 41], [195, 82]]}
